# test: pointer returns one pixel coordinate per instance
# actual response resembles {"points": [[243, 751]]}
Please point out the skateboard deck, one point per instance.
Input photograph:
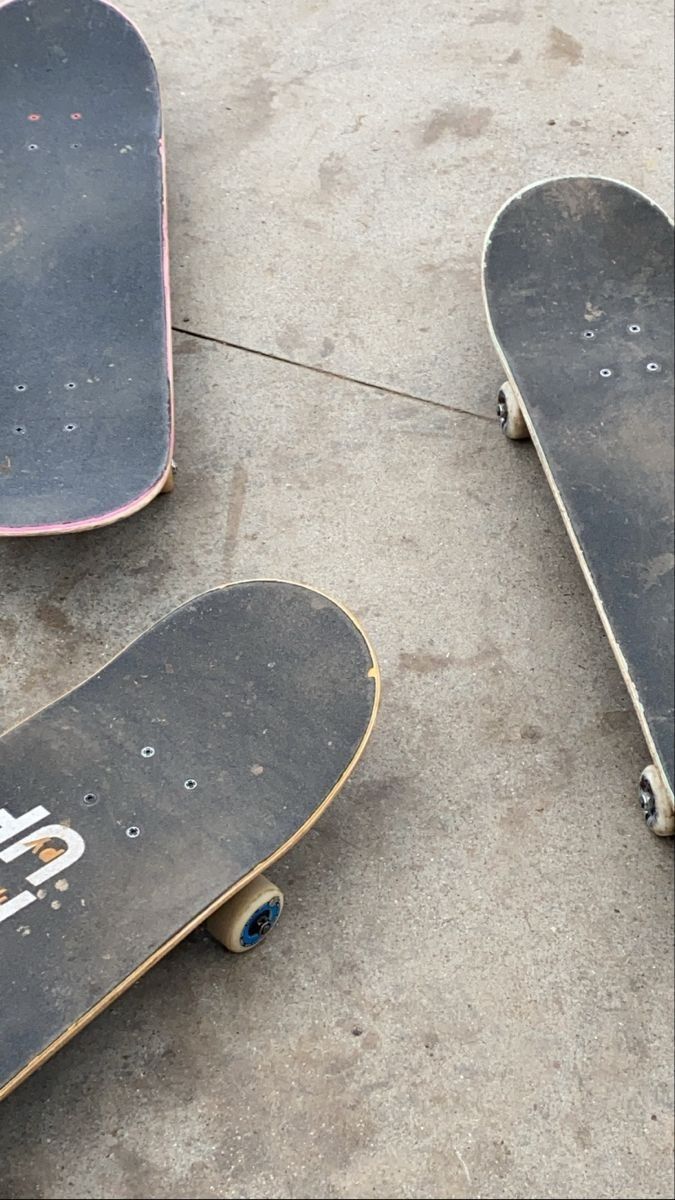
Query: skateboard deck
{"points": [[86, 410], [578, 288], [139, 803]]}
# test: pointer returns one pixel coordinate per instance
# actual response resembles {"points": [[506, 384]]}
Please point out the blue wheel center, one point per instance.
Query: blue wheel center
{"points": [[260, 922]]}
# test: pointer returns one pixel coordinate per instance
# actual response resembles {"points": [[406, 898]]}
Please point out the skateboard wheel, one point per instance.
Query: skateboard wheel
{"points": [[510, 414], [170, 481], [656, 803], [247, 918]]}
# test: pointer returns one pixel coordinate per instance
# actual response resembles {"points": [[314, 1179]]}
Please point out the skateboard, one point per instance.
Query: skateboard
{"points": [[578, 289], [151, 798], [86, 405]]}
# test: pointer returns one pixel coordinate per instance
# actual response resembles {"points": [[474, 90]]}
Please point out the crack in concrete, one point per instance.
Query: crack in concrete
{"points": [[291, 362]]}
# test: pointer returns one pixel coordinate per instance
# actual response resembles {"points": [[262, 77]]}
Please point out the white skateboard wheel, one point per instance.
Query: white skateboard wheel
{"points": [[170, 481], [247, 918], [656, 803], [510, 414]]}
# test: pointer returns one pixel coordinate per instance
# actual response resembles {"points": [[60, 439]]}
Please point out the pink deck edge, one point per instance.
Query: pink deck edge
{"points": [[144, 498]]}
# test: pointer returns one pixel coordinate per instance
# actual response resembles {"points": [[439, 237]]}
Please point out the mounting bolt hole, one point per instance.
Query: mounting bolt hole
{"points": [[71, 386], [190, 784], [605, 372], [90, 798], [133, 832], [653, 367], [588, 334], [147, 752], [19, 387], [69, 428], [19, 429], [33, 146], [76, 116], [634, 329]]}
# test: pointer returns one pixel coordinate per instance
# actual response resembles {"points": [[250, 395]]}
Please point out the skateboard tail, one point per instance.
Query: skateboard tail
{"points": [[97, 522], [590, 582], [547, 179]]}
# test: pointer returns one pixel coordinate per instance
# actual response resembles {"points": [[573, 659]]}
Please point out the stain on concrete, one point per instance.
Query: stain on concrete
{"points": [[509, 15], [515, 56], [424, 662], [333, 175], [617, 720], [531, 733], [499, 1156], [563, 46], [460, 119], [290, 341], [257, 104], [379, 792], [9, 627], [327, 347], [235, 508], [192, 345], [54, 618], [153, 570]]}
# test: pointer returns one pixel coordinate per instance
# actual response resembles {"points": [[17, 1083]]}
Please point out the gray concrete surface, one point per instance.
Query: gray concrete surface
{"points": [[470, 992]]}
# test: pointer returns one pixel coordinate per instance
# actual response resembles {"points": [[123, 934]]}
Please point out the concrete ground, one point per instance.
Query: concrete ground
{"points": [[470, 992]]}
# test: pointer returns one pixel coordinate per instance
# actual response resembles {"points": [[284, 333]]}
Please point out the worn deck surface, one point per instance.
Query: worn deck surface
{"points": [[579, 289], [140, 799], [85, 415]]}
